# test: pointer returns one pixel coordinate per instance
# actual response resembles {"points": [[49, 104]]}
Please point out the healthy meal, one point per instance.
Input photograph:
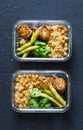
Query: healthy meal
{"points": [[45, 41], [39, 91]]}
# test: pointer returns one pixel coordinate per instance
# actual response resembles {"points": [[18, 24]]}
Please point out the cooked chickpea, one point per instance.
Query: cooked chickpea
{"points": [[60, 56], [65, 44], [20, 106], [16, 88], [58, 36], [65, 54], [21, 95], [65, 48]]}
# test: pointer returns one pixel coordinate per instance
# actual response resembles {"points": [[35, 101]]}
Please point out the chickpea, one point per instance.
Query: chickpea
{"points": [[65, 48], [24, 106], [21, 95], [65, 44], [59, 29], [65, 54], [60, 56], [66, 38], [20, 106], [60, 50], [16, 88], [29, 76], [66, 29], [26, 102], [21, 81], [63, 41], [62, 32]]}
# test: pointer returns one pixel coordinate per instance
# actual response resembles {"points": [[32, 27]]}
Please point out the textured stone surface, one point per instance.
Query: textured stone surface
{"points": [[12, 11]]}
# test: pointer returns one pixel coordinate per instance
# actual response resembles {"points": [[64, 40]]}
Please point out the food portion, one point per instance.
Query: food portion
{"points": [[45, 41], [24, 31], [38, 91]]}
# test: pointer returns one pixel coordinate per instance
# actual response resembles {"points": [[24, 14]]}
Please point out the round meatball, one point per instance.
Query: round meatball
{"points": [[44, 33], [59, 84], [24, 31]]}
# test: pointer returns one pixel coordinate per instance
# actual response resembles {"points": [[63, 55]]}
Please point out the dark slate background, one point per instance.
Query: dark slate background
{"points": [[12, 11]]}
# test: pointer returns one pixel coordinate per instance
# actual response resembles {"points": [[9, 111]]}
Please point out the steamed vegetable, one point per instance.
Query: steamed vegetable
{"points": [[40, 43], [48, 92], [57, 96], [44, 102], [33, 103], [33, 39], [28, 49], [37, 93], [51, 99], [25, 54], [41, 51]]}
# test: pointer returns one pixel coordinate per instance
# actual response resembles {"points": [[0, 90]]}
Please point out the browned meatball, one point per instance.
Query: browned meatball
{"points": [[44, 33], [24, 31], [59, 84]]}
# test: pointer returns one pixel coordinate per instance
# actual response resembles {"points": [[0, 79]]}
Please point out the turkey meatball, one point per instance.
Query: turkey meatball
{"points": [[59, 84], [44, 33], [24, 31]]}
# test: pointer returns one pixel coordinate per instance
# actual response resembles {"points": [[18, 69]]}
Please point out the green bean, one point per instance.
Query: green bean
{"points": [[57, 96], [23, 46], [28, 49], [48, 92], [33, 39], [51, 99], [25, 54]]}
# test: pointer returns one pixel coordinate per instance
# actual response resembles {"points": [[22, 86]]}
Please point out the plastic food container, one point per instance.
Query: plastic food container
{"points": [[40, 110], [38, 23]]}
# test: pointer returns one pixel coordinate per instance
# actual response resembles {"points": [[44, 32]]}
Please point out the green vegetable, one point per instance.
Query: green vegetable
{"points": [[45, 103], [51, 99], [35, 93], [48, 105], [41, 51], [28, 49], [35, 99], [33, 39], [57, 96], [48, 92], [23, 46], [39, 43], [25, 54], [33, 103]]}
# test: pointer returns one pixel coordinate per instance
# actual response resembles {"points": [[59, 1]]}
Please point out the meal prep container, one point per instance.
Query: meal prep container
{"points": [[43, 110], [38, 23]]}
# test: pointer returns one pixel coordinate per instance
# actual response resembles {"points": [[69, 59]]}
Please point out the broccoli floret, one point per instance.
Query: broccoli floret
{"points": [[33, 103], [48, 105], [41, 51], [35, 93], [44, 102]]}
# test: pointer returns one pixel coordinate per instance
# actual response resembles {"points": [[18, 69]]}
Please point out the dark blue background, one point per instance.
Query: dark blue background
{"points": [[12, 11]]}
